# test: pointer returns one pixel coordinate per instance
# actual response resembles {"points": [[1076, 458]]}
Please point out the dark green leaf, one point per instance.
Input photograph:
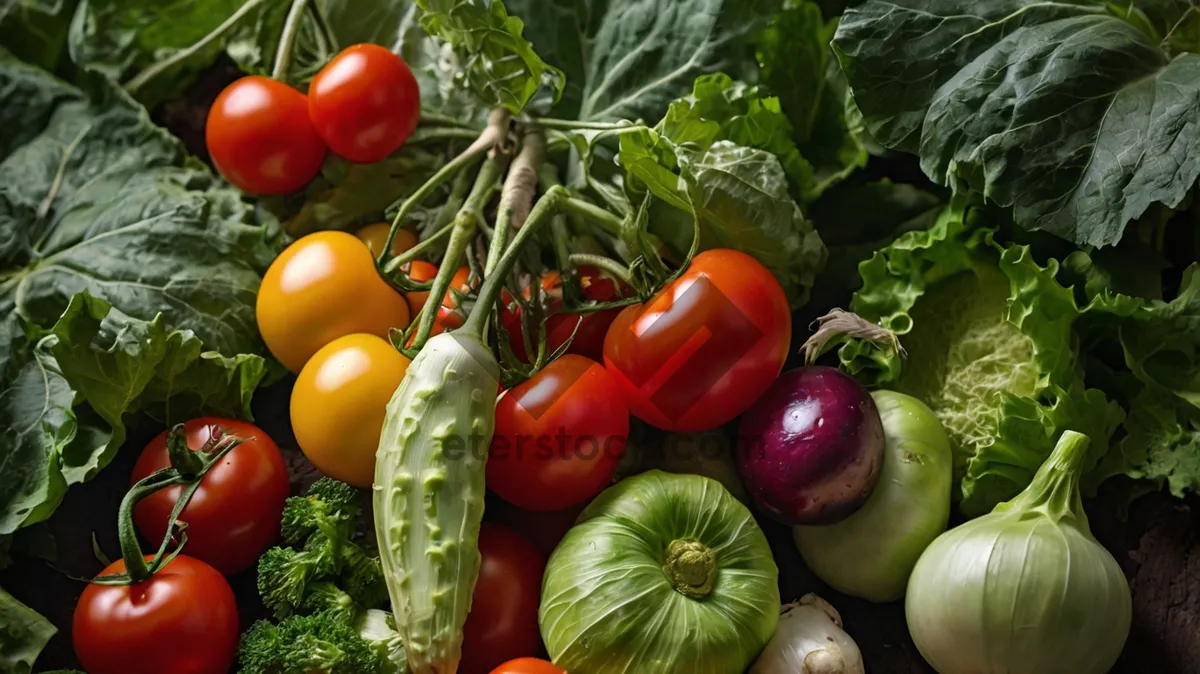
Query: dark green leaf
{"points": [[36, 30], [24, 636], [498, 61], [799, 68], [1071, 115], [631, 58]]}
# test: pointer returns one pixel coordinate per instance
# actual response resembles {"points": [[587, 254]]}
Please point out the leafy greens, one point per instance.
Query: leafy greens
{"points": [[1078, 115]]}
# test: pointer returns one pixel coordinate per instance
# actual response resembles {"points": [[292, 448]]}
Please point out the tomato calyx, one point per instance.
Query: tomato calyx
{"points": [[188, 469]]}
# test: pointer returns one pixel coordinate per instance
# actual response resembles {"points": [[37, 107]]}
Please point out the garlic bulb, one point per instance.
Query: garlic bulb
{"points": [[810, 640]]}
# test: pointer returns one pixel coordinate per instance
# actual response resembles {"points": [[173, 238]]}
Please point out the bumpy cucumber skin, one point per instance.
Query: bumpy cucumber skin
{"points": [[429, 491]]}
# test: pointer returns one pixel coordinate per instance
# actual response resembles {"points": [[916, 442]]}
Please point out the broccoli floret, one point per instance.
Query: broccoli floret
{"points": [[362, 577], [284, 575], [329, 506], [325, 597], [322, 642]]}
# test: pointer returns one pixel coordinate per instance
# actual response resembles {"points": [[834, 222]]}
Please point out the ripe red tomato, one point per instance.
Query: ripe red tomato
{"points": [[503, 623], [423, 272], [589, 339], [545, 529], [183, 620], [234, 516], [364, 103], [528, 666], [559, 436], [704, 348], [260, 137]]}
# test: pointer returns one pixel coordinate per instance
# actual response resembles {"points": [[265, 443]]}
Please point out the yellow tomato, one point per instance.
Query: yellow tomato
{"points": [[322, 287], [376, 235], [339, 401]]}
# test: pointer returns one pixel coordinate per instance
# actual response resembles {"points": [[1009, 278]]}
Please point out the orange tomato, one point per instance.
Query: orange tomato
{"points": [[528, 666], [339, 401], [421, 272], [375, 236], [322, 287]]}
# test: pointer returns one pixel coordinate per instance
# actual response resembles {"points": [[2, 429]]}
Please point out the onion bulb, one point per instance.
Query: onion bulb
{"points": [[810, 640], [1025, 588]]}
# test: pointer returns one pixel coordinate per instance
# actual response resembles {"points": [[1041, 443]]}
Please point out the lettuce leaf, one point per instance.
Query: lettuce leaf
{"points": [[24, 636], [989, 349], [128, 282]]}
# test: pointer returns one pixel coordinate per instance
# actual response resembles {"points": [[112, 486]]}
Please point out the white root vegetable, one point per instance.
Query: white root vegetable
{"points": [[810, 640]]}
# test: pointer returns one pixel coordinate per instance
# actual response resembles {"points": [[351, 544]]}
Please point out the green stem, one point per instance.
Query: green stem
{"points": [[606, 263], [431, 117], [575, 125], [183, 459], [586, 209], [495, 132], [323, 26], [558, 226], [462, 231], [287, 40], [131, 552], [543, 211], [182, 55], [517, 197], [1054, 489], [416, 251], [440, 134]]}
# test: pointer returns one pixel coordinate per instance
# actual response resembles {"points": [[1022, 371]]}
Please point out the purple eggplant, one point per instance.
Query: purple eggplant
{"points": [[810, 449]]}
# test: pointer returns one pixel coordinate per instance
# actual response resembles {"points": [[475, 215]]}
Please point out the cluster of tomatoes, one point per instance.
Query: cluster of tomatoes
{"points": [[267, 138]]}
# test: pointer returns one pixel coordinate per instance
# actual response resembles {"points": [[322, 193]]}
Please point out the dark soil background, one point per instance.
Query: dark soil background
{"points": [[1156, 545]]}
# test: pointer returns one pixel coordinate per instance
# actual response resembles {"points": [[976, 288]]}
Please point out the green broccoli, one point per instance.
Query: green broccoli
{"points": [[323, 642], [284, 574], [325, 597], [329, 506], [362, 577]]}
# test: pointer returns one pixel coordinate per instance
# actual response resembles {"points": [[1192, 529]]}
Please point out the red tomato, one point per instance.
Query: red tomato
{"points": [[503, 623], [183, 620], [589, 339], [446, 319], [528, 666], [234, 516], [364, 103], [704, 348], [559, 436], [544, 529], [260, 137]]}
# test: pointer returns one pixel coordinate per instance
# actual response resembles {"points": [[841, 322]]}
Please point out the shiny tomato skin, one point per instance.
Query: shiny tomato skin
{"points": [[375, 235], [260, 137], [528, 666], [182, 620], [322, 287], [503, 623], [727, 311], [339, 401], [364, 103], [593, 327], [234, 516], [559, 436]]}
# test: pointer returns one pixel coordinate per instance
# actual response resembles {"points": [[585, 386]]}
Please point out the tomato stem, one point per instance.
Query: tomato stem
{"points": [[543, 211], [158, 67], [462, 231], [493, 135], [136, 567], [576, 125], [558, 236], [516, 199], [287, 40], [608, 264], [183, 459], [586, 209]]}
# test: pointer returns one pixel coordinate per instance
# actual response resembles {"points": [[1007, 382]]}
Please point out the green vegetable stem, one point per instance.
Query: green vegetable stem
{"points": [[187, 469], [1025, 588]]}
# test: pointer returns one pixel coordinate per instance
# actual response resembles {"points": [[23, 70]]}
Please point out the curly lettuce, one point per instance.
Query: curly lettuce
{"points": [[990, 349]]}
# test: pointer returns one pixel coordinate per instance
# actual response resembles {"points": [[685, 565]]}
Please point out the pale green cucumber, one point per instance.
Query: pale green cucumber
{"points": [[429, 491]]}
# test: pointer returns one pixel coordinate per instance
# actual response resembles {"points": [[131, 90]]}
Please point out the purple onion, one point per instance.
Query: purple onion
{"points": [[810, 449]]}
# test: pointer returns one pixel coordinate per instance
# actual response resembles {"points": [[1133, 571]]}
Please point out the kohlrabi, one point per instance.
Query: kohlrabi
{"points": [[1025, 588]]}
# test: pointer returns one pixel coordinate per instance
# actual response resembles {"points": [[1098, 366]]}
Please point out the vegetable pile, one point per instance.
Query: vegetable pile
{"points": [[529, 273]]}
